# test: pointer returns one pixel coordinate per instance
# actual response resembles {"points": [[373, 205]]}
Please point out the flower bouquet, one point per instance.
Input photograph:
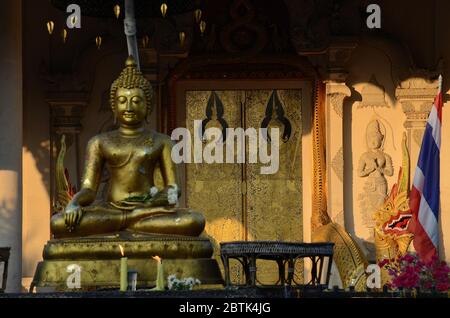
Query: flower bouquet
{"points": [[173, 283], [409, 272]]}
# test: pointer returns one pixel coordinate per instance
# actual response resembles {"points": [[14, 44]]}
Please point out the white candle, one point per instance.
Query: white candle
{"points": [[123, 270], [159, 274]]}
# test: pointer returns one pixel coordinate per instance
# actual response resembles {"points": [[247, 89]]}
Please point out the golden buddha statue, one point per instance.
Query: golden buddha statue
{"points": [[133, 155], [139, 212]]}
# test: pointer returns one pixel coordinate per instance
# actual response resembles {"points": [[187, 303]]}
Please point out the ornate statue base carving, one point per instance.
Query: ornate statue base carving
{"points": [[99, 259]]}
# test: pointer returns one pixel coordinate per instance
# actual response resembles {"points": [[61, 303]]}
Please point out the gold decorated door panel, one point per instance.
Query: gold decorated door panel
{"points": [[238, 201], [215, 188], [274, 201]]}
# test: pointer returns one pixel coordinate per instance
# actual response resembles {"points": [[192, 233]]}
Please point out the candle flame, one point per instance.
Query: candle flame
{"points": [[157, 258], [122, 251]]}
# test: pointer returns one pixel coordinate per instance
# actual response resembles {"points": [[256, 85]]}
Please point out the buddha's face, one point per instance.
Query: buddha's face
{"points": [[131, 106]]}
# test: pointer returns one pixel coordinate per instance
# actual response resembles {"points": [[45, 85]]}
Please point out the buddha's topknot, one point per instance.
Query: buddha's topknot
{"points": [[131, 77]]}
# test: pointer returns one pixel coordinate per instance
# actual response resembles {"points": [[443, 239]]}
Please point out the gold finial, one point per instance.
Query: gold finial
{"points": [[164, 9], [117, 11], [182, 37], [202, 26], [145, 41], [64, 35], [98, 41], [50, 27], [74, 20], [197, 15]]}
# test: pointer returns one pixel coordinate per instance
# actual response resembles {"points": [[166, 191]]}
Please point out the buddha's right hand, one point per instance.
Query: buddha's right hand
{"points": [[72, 215]]}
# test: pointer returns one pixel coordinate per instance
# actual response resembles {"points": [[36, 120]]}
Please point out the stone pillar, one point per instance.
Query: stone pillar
{"points": [[11, 138], [416, 95], [335, 94], [339, 54]]}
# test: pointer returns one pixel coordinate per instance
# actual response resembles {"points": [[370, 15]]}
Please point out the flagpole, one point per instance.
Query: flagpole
{"points": [[440, 83]]}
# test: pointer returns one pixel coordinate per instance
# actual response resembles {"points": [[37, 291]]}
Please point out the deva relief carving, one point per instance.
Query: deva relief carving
{"points": [[338, 164], [374, 165], [373, 95]]}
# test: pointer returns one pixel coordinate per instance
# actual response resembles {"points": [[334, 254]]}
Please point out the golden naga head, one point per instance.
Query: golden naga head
{"points": [[131, 95], [394, 216], [392, 237]]}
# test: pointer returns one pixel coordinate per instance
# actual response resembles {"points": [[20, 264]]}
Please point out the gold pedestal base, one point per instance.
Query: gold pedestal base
{"points": [[98, 261]]}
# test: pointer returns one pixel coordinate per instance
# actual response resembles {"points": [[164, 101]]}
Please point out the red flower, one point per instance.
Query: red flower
{"points": [[409, 272], [383, 262]]}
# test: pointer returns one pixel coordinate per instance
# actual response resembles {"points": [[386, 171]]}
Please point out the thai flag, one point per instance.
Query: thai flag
{"points": [[425, 192]]}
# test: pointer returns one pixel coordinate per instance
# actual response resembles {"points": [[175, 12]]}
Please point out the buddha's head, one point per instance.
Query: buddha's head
{"points": [[131, 95], [374, 135]]}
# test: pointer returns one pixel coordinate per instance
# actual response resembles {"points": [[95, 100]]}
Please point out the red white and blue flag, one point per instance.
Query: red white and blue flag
{"points": [[425, 192]]}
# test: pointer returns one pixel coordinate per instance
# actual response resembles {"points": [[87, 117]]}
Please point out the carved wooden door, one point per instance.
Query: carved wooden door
{"points": [[238, 201]]}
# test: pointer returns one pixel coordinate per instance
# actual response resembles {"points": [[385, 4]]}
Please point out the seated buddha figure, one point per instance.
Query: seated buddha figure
{"points": [[133, 155]]}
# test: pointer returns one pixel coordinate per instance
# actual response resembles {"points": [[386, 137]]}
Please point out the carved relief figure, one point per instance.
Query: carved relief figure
{"points": [[374, 165]]}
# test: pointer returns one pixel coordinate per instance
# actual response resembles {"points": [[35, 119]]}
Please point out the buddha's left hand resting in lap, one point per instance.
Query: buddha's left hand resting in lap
{"points": [[132, 154]]}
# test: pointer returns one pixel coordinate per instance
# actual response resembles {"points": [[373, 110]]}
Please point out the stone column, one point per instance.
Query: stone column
{"points": [[339, 54], [11, 138], [335, 94], [416, 95]]}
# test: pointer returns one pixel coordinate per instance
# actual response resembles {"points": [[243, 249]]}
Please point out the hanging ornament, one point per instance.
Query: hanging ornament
{"points": [[50, 27], [64, 35], [98, 41], [74, 21], [182, 37], [202, 26], [145, 41], [197, 15], [117, 11], [164, 9]]}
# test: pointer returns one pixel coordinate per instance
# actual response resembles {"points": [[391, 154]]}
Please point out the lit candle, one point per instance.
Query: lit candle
{"points": [[159, 274], [123, 270]]}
